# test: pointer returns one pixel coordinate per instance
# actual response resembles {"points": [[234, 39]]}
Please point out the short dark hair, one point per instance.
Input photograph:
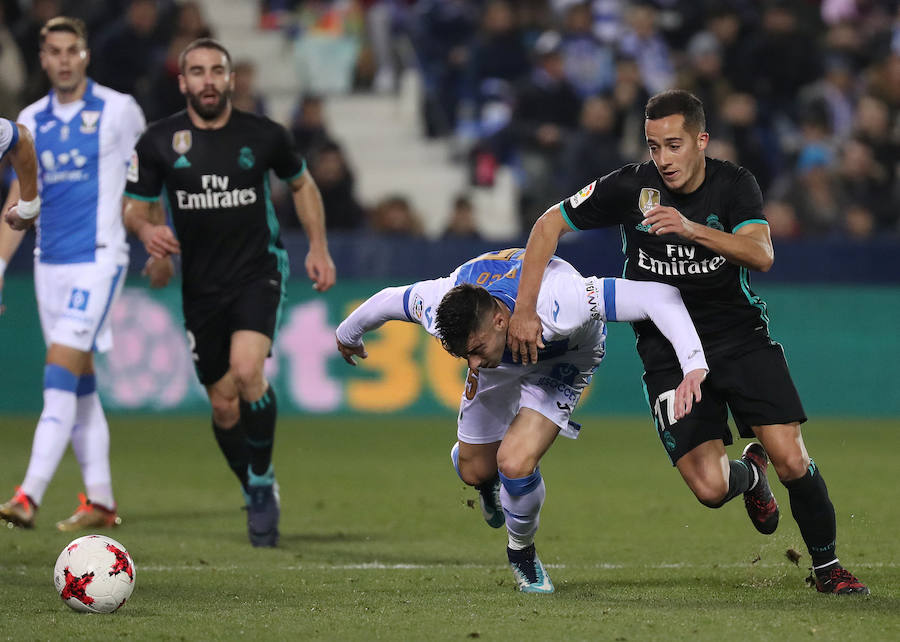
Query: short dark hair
{"points": [[677, 101], [204, 43], [64, 24], [459, 314]]}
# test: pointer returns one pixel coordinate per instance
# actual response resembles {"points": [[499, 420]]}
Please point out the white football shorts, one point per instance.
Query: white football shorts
{"points": [[74, 300], [493, 396]]}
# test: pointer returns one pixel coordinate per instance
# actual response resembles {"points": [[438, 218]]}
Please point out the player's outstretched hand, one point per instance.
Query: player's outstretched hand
{"points": [[159, 271], [687, 392], [17, 222], [524, 336], [160, 241], [348, 352], [320, 269], [668, 220]]}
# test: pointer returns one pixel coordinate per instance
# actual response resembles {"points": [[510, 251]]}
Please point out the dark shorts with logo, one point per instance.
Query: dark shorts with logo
{"points": [[756, 386], [254, 306]]}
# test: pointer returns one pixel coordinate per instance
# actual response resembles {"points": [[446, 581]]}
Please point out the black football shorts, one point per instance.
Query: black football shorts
{"points": [[756, 386], [254, 306]]}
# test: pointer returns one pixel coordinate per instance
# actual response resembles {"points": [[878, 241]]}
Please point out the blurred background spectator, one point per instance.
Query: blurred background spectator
{"points": [[528, 99]]}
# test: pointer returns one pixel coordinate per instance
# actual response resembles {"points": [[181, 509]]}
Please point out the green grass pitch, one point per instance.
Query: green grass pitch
{"points": [[379, 541]]}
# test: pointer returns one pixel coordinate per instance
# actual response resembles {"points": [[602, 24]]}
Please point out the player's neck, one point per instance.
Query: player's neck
{"points": [[696, 181], [70, 96], [217, 123]]}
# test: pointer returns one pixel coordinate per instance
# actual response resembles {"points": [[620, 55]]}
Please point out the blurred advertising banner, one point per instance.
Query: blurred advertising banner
{"points": [[841, 344]]}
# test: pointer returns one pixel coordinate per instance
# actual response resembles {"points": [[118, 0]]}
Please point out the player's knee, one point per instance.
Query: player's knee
{"points": [[225, 411], [793, 466], [474, 473], [710, 492], [515, 465], [247, 374]]}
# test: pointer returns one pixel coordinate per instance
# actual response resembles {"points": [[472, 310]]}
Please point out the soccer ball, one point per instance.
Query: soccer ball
{"points": [[94, 574]]}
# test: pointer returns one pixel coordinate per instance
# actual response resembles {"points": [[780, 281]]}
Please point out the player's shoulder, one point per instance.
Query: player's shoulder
{"points": [[34, 108], [249, 121], [111, 96], [726, 172], [177, 121], [631, 174]]}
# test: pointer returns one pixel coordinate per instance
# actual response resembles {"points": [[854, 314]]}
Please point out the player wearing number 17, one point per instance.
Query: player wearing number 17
{"points": [[510, 415], [211, 163], [697, 223]]}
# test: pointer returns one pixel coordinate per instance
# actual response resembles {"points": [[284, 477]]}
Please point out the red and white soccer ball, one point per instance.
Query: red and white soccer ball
{"points": [[94, 574]]}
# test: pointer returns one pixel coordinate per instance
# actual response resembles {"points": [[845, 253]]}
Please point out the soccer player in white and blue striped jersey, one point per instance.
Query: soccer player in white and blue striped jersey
{"points": [[84, 136], [510, 414]]}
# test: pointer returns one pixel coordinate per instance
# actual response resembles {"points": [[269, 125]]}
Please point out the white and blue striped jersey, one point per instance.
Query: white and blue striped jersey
{"points": [[573, 309], [83, 151], [9, 136]]}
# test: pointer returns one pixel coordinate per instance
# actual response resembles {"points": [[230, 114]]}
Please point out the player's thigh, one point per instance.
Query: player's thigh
{"points": [[760, 389], [554, 387], [75, 301], [489, 403], [248, 353], [707, 421], [209, 340], [478, 461], [257, 307]]}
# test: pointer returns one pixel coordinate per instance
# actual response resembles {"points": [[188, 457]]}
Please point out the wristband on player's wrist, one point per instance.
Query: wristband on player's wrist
{"points": [[27, 210]]}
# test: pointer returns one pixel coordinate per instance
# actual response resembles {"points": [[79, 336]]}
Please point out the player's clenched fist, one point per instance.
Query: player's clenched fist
{"points": [[159, 241]]}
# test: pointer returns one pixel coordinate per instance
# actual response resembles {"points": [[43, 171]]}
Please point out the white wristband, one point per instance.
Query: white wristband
{"points": [[27, 210], [2, 267]]}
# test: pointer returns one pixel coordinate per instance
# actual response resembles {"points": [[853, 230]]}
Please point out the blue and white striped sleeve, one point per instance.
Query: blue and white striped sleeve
{"points": [[9, 136]]}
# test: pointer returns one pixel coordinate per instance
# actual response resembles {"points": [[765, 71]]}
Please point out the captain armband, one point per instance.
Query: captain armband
{"points": [[27, 210]]}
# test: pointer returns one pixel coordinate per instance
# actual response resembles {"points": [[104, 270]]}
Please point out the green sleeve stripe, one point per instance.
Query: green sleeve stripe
{"points": [[748, 222], [297, 175], [562, 209], [138, 197]]}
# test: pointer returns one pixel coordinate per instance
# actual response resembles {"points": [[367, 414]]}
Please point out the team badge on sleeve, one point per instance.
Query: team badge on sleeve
{"points": [[132, 174], [583, 195], [418, 307], [181, 141]]}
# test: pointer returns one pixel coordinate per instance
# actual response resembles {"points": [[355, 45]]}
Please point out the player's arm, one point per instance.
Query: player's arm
{"points": [[626, 300], [23, 204], [750, 246], [387, 305], [311, 212], [524, 336], [147, 223]]}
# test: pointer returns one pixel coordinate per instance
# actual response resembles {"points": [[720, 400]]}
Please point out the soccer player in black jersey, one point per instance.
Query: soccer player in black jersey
{"points": [[211, 164], [697, 223]]}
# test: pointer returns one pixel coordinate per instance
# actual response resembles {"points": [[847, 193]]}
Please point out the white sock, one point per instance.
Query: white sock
{"points": [[523, 514], [53, 431], [90, 441]]}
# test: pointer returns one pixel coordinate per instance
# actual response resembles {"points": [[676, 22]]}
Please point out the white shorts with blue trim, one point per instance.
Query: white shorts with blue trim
{"points": [[74, 302], [552, 387]]}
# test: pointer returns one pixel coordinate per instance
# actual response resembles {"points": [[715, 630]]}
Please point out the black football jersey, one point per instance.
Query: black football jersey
{"points": [[717, 293], [216, 186]]}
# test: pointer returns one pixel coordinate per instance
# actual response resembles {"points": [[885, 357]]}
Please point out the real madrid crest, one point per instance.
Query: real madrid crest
{"points": [[181, 141]]}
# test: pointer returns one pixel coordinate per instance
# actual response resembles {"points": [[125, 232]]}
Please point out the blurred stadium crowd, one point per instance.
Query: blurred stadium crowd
{"points": [[804, 93]]}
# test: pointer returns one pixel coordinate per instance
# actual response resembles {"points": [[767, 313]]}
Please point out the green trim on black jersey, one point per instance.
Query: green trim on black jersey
{"points": [[753, 299], [761, 221], [562, 209], [624, 249], [281, 255], [297, 175], [138, 197]]}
